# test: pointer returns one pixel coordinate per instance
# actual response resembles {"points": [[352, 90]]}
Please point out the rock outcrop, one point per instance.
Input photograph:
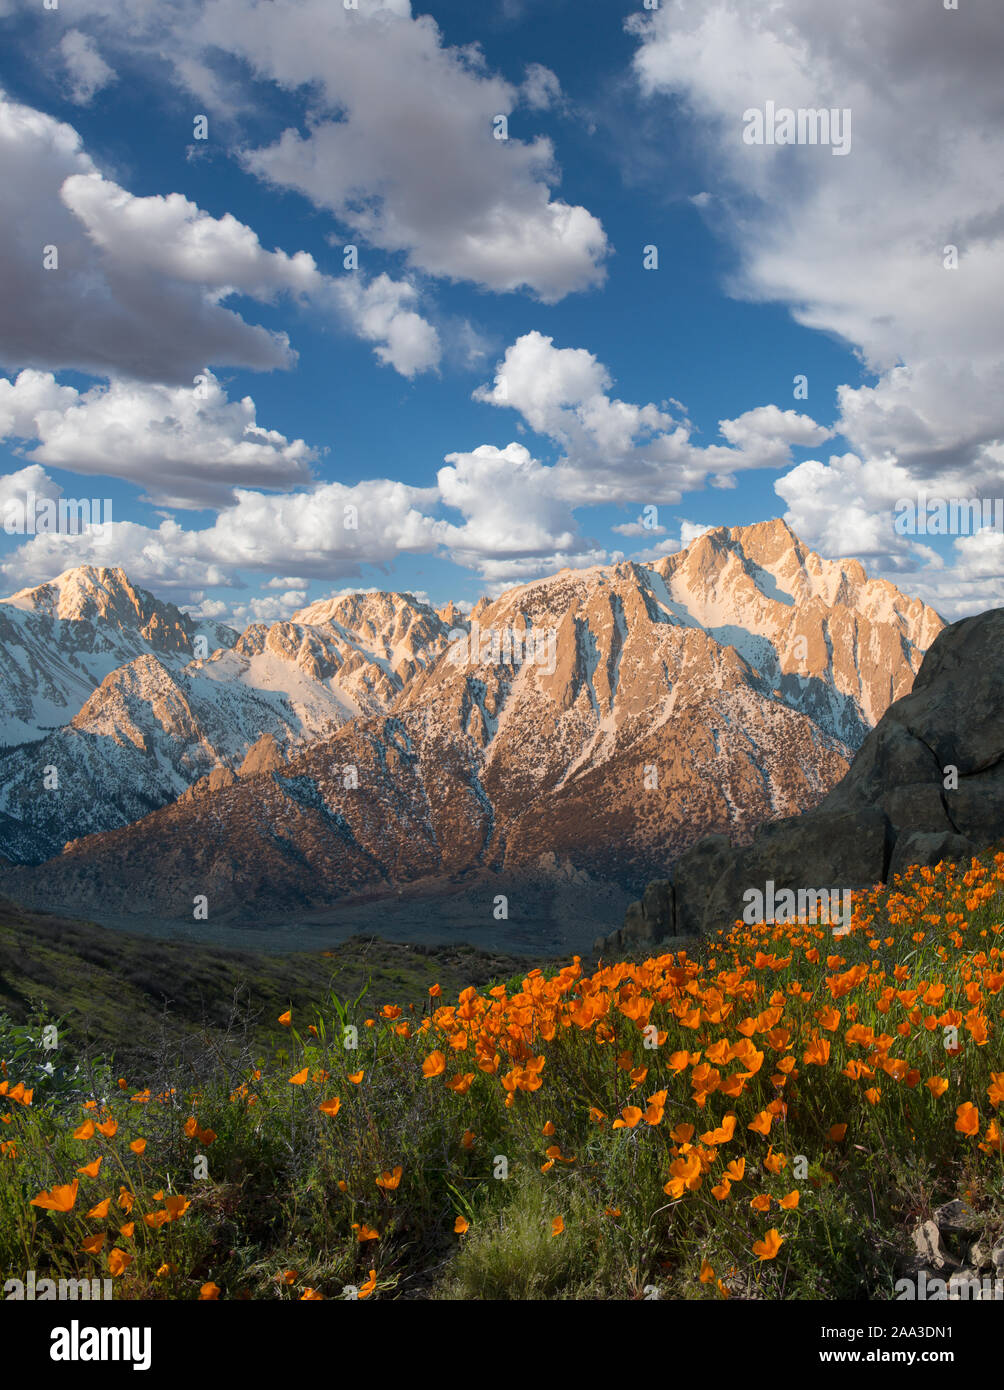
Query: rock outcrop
{"points": [[264, 757], [953, 1258], [927, 785]]}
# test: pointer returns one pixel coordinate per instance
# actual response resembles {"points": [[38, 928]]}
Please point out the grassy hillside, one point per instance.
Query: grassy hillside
{"points": [[125, 995], [769, 1121]]}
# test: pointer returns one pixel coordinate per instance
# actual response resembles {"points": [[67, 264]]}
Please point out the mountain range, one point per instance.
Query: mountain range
{"points": [[593, 724], [144, 717]]}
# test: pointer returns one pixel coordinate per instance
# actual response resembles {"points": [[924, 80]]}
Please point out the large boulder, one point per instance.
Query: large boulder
{"points": [[976, 806], [926, 786], [825, 849]]}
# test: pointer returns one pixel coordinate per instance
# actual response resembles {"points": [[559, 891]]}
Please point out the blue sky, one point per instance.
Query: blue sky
{"points": [[481, 258]]}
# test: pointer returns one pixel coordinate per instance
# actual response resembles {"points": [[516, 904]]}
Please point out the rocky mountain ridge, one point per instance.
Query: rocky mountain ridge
{"points": [[163, 716], [607, 718]]}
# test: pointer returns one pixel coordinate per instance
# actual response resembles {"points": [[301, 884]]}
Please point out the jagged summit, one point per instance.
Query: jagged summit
{"points": [[73, 588], [451, 615], [93, 594], [60, 640]]}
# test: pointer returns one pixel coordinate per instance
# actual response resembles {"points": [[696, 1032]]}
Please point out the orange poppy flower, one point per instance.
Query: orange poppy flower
{"points": [[767, 1248], [723, 1133], [630, 1116], [59, 1199], [967, 1118]]}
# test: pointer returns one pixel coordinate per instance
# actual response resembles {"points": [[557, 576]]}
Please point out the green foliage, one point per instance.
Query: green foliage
{"points": [[37, 1054]]}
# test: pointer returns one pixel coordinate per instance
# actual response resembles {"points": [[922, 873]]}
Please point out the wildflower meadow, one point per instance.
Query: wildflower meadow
{"points": [[765, 1115]]}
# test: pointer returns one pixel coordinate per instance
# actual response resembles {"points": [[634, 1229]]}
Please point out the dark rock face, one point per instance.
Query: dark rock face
{"points": [[916, 847], [652, 917], [926, 786]]}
